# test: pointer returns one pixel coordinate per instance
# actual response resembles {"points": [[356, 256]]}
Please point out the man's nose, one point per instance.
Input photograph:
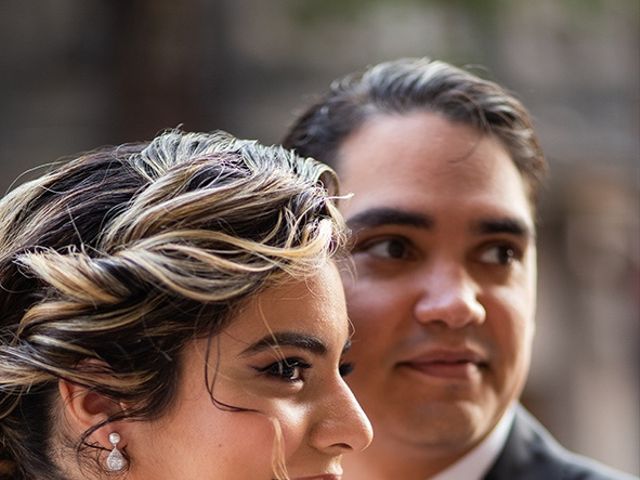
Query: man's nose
{"points": [[449, 295], [341, 426]]}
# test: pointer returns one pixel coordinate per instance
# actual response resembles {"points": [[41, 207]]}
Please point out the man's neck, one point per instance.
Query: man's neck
{"points": [[387, 459]]}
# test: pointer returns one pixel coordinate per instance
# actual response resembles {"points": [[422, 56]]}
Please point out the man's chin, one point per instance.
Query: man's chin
{"points": [[439, 424]]}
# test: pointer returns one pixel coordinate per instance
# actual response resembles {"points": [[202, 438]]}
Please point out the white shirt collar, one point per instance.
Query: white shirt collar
{"points": [[475, 463]]}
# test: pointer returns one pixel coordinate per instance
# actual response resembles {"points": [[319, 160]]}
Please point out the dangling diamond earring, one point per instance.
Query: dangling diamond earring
{"points": [[115, 460]]}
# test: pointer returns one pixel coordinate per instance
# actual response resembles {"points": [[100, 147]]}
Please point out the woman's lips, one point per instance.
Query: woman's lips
{"points": [[326, 476]]}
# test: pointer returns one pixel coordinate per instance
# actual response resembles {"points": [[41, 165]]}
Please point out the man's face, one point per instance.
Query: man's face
{"points": [[443, 293]]}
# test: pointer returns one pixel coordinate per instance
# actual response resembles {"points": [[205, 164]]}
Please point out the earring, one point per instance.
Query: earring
{"points": [[115, 460]]}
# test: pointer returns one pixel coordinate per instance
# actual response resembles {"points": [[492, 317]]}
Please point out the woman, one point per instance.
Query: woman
{"points": [[171, 310]]}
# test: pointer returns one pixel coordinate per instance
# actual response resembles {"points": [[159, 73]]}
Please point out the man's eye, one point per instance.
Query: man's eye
{"points": [[346, 368], [288, 369], [500, 255], [395, 248]]}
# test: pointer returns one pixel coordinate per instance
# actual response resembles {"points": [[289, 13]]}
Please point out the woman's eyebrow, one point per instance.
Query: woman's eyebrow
{"points": [[288, 339]]}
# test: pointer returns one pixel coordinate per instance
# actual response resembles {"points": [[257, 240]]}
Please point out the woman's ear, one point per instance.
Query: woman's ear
{"points": [[84, 408]]}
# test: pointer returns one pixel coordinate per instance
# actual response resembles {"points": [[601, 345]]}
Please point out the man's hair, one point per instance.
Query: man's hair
{"points": [[113, 262], [418, 84]]}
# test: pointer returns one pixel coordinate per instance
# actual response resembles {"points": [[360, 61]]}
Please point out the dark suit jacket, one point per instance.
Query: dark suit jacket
{"points": [[531, 453]]}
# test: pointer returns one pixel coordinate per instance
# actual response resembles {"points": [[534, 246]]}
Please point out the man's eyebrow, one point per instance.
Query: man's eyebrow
{"points": [[510, 225], [286, 339], [378, 217]]}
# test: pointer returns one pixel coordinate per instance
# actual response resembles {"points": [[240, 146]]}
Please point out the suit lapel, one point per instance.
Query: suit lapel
{"points": [[530, 452]]}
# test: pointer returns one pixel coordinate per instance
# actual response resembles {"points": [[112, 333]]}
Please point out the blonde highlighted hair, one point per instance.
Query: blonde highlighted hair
{"points": [[112, 262]]}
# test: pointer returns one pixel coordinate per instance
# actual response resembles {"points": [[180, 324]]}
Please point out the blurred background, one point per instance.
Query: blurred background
{"points": [[76, 74]]}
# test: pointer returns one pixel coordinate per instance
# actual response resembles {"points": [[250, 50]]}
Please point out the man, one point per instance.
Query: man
{"points": [[445, 169]]}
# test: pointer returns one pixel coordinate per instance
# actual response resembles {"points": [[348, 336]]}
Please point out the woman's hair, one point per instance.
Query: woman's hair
{"points": [[112, 262], [408, 85]]}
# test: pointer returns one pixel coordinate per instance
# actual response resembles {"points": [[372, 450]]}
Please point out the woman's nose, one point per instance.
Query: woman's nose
{"points": [[342, 425]]}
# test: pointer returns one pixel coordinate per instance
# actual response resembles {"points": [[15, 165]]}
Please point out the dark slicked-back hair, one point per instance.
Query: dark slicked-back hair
{"points": [[418, 84]]}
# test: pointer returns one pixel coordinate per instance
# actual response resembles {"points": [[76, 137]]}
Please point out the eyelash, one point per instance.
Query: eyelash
{"points": [[280, 369], [512, 252], [370, 246], [287, 368], [508, 253]]}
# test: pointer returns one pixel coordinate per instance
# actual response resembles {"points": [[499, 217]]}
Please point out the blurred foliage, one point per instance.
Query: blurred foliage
{"points": [[319, 10]]}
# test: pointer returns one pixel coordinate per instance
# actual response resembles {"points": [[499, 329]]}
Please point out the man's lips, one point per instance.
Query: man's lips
{"points": [[447, 364]]}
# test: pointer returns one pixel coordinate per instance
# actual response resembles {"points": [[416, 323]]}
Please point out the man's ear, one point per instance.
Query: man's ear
{"points": [[84, 408]]}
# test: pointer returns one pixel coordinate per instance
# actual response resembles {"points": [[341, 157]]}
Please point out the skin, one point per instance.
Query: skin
{"points": [[443, 293], [316, 411]]}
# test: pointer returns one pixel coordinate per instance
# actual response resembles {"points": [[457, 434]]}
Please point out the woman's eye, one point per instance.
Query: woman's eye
{"points": [[346, 368], [288, 369], [500, 255], [394, 248]]}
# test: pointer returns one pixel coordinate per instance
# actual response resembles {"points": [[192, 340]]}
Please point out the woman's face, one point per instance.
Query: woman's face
{"points": [[280, 359]]}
